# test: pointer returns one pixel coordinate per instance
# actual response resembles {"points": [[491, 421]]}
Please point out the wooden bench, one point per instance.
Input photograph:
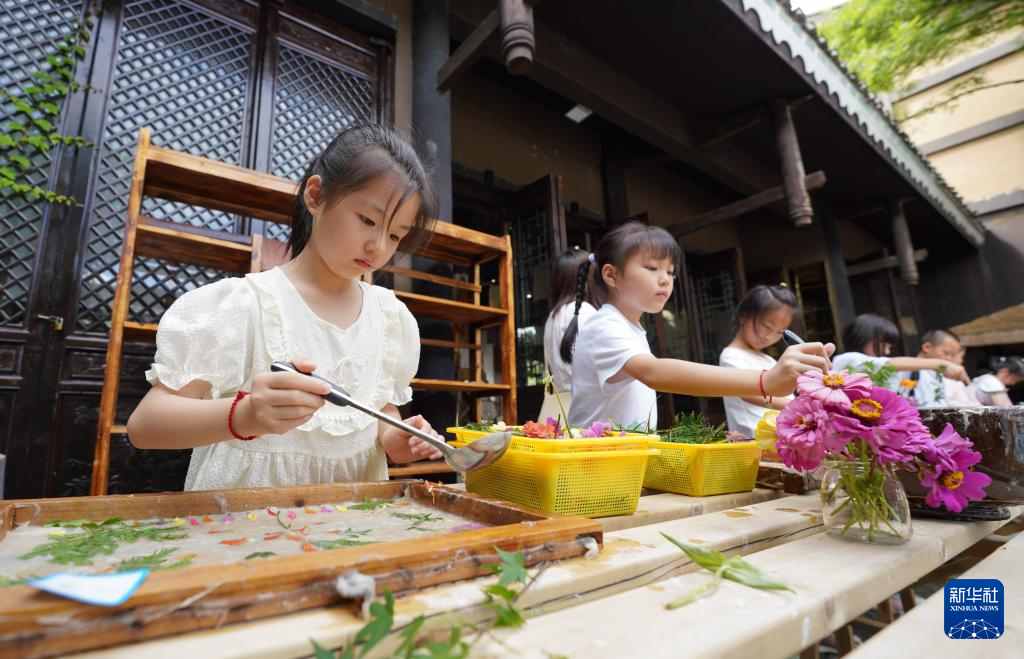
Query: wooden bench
{"points": [[920, 632]]}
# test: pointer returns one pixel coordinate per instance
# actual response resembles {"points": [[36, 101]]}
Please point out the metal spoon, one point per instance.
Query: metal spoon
{"points": [[474, 455], [791, 338]]}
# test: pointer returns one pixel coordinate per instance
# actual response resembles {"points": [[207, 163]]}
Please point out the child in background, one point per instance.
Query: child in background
{"points": [[930, 390], [362, 197], [615, 376], [870, 338], [991, 388], [761, 317], [565, 283], [959, 394]]}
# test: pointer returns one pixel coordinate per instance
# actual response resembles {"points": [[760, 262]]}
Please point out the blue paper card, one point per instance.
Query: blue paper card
{"points": [[99, 589]]}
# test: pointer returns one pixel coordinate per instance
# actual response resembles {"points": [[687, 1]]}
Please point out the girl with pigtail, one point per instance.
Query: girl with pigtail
{"points": [[571, 298], [614, 374]]}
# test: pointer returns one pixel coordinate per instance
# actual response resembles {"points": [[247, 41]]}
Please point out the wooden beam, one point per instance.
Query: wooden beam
{"points": [[731, 127], [812, 181], [883, 263], [581, 76], [741, 122], [792, 163], [469, 52]]}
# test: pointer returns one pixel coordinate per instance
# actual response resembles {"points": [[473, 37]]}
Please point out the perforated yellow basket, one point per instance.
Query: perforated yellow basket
{"points": [[584, 483], [700, 470], [630, 442]]}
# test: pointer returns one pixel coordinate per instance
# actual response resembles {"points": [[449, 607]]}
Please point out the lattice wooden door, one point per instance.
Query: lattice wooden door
{"points": [[260, 84]]}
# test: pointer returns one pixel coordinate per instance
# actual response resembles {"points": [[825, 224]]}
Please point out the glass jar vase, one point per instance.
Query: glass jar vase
{"points": [[864, 502]]}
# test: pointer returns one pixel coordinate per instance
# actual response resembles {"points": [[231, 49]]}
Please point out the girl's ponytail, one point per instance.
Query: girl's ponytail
{"points": [[569, 340]]}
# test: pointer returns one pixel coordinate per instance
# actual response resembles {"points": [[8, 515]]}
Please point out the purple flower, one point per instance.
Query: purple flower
{"points": [[887, 423], [558, 427], [803, 429], [597, 429], [955, 487], [834, 389], [940, 451]]}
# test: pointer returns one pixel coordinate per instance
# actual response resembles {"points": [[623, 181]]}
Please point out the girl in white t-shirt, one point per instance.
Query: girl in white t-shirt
{"points": [[870, 338], [761, 317], [565, 283], [992, 388], [213, 390], [615, 376]]}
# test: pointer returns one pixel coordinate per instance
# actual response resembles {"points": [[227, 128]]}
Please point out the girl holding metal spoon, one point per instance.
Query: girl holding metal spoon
{"points": [[213, 389]]}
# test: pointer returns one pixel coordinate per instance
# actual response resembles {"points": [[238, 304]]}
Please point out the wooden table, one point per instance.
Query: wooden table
{"points": [[613, 605]]}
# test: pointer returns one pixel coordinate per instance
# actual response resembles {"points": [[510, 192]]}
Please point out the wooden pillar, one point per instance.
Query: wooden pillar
{"points": [[797, 197], [431, 109], [432, 132], [517, 39], [840, 294], [904, 246]]}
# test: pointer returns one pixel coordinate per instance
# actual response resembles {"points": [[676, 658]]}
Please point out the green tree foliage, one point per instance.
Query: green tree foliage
{"points": [[885, 41]]}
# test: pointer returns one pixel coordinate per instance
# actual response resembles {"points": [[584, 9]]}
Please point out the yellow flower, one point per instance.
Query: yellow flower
{"points": [[765, 435], [341, 509], [177, 521], [251, 516]]}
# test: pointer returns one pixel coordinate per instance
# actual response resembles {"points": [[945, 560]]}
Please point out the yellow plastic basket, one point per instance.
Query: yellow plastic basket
{"points": [[701, 470], [631, 442], [585, 483]]}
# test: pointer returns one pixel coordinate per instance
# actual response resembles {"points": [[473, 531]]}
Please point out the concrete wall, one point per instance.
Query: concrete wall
{"points": [[959, 286], [987, 165]]}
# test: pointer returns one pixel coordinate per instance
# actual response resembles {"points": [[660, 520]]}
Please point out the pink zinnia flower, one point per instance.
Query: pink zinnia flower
{"points": [[941, 450], [804, 429], [955, 487], [834, 389], [887, 423]]}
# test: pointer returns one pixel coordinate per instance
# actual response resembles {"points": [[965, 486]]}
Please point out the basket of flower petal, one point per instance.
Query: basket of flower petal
{"points": [[697, 459], [552, 437], [588, 476]]}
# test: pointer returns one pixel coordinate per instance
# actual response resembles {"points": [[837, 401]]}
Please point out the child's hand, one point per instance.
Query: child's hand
{"points": [[402, 447], [955, 371], [280, 401], [798, 359]]}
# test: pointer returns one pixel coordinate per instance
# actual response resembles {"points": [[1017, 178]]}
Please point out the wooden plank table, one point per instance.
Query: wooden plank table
{"points": [[613, 604], [660, 507], [834, 582]]}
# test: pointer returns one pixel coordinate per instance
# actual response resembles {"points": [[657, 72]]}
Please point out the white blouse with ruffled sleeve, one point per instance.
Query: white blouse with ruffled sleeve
{"points": [[225, 332]]}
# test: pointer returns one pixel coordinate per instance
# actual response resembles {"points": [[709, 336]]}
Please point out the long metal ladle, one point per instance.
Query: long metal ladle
{"points": [[474, 455]]}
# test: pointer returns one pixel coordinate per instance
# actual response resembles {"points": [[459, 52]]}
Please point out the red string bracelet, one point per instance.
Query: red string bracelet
{"points": [[764, 394], [238, 397]]}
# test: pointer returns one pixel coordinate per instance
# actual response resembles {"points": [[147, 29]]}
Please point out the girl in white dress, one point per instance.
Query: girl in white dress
{"points": [[614, 374], [565, 283], [763, 314], [213, 390]]}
